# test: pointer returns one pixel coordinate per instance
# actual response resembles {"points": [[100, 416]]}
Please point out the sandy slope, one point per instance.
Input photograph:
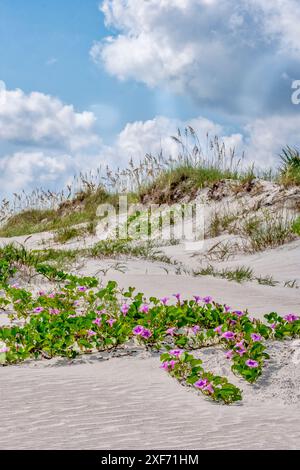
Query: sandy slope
{"points": [[128, 402]]}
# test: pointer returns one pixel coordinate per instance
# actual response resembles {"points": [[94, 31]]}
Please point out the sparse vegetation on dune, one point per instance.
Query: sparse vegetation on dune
{"points": [[71, 214], [290, 168]]}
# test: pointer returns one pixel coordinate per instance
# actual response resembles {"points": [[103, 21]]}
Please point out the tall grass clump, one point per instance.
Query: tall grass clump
{"points": [[290, 166], [267, 231]]}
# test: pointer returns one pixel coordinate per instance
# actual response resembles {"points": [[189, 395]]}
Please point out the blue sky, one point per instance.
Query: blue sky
{"points": [[44, 46], [89, 83]]}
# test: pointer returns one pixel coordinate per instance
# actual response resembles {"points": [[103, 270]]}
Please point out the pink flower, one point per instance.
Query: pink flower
{"points": [[290, 318], [171, 331], [201, 383], [232, 322], [241, 351], [168, 365], [4, 349], [256, 337], [229, 335], [144, 308], [18, 301], [251, 363], [239, 313], [146, 333], [54, 311], [273, 326], [124, 309], [176, 352], [165, 365], [164, 300], [207, 300], [197, 299], [41, 293], [138, 330], [111, 321], [227, 308], [177, 296], [38, 309], [172, 363], [102, 312], [218, 329], [82, 289], [204, 384], [91, 333], [51, 296], [97, 322], [195, 329], [229, 354]]}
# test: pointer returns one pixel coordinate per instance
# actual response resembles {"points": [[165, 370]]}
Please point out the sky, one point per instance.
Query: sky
{"points": [[85, 84]]}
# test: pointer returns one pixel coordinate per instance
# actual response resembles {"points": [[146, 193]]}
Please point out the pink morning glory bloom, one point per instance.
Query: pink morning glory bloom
{"points": [[176, 352], [232, 322], [97, 322], [42, 293], [51, 296], [171, 331], [144, 308], [172, 363], [54, 311], [207, 300], [251, 363], [228, 335], [91, 333], [218, 329], [195, 329], [82, 289], [229, 354], [197, 299], [290, 318], [138, 330], [146, 333], [165, 366], [239, 313], [38, 309], [241, 351], [227, 308], [256, 337], [4, 349], [111, 321], [273, 326], [177, 296], [201, 383], [101, 312], [164, 300], [124, 309], [204, 384]]}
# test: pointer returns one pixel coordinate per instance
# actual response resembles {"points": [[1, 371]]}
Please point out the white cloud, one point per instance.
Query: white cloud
{"points": [[223, 53], [265, 138], [36, 119], [26, 170]]}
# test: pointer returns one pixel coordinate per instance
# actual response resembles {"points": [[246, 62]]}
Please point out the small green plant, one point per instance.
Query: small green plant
{"points": [[268, 231], [290, 168], [296, 226], [65, 234]]}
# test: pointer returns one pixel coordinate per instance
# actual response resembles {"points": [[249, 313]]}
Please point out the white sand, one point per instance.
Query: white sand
{"points": [[129, 403]]}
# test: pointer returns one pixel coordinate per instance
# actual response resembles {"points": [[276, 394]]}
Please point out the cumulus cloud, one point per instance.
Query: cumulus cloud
{"points": [[28, 170], [36, 119], [223, 53]]}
